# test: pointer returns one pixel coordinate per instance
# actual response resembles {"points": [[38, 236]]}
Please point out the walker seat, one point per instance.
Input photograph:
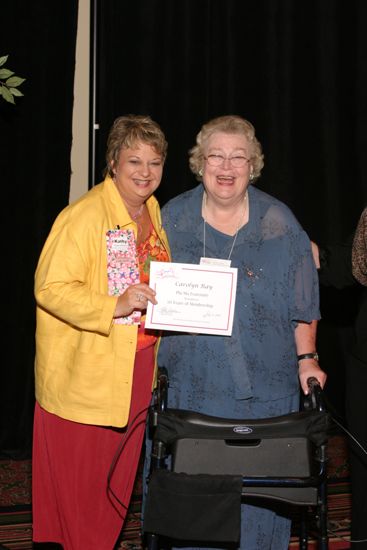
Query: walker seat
{"points": [[194, 455]]}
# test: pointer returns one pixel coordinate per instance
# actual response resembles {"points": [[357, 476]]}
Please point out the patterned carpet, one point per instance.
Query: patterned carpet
{"points": [[16, 513], [16, 516]]}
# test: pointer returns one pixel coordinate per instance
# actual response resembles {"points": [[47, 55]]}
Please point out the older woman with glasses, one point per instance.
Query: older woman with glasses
{"points": [[258, 370]]}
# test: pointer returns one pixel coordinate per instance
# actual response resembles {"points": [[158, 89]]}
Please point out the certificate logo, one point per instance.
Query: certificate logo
{"points": [[166, 273]]}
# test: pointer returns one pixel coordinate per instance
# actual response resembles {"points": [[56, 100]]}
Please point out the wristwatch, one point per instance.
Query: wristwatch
{"points": [[308, 356]]}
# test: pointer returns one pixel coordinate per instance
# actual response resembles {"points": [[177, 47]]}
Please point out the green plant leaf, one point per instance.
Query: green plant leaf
{"points": [[5, 73], [14, 81], [16, 92], [3, 59], [7, 95], [9, 82]]}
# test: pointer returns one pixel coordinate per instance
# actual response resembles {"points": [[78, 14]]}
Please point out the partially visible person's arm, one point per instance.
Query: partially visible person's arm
{"points": [[305, 336], [316, 254], [334, 263], [359, 250]]}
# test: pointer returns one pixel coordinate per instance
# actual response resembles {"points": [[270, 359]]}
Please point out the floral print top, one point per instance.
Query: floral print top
{"points": [[277, 286], [151, 249]]}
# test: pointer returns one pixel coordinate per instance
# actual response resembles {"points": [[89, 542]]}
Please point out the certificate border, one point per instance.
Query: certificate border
{"points": [[204, 330]]}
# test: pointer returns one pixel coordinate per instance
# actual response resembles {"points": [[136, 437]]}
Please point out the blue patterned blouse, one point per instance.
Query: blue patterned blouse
{"points": [[277, 286]]}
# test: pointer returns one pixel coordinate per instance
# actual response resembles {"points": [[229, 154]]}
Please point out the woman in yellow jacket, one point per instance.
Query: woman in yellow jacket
{"points": [[95, 361]]}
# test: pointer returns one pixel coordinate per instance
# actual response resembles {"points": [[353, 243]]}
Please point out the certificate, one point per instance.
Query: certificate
{"points": [[192, 298]]}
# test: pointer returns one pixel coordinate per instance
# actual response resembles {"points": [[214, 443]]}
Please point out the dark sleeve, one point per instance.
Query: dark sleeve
{"points": [[359, 250], [336, 264]]}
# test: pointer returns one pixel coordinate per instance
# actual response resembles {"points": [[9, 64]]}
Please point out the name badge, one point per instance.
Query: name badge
{"points": [[122, 268], [215, 261], [120, 242]]}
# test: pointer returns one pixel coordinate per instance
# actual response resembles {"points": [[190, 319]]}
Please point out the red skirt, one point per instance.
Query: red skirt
{"points": [[74, 502]]}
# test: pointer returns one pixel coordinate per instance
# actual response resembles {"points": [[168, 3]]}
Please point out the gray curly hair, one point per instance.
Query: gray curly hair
{"points": [[228, 124]]}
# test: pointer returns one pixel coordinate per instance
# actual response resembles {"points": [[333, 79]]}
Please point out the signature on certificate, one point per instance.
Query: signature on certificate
{"points": [[168, 311], [211, 315]]}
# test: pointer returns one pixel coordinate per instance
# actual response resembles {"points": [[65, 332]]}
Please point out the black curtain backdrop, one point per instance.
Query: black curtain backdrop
{"points": [[35, 145], [295, 69]]}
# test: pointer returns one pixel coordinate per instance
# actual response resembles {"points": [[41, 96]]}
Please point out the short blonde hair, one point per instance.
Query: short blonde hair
{"points": [[127, 131], [228, 124]]}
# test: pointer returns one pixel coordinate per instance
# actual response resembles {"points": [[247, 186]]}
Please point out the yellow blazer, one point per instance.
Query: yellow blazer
{"points": [[84, 362]]}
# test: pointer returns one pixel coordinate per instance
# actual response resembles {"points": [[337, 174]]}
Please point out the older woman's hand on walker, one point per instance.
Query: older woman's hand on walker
{"points": [[308, 361], [135, 297], [309, 368]]}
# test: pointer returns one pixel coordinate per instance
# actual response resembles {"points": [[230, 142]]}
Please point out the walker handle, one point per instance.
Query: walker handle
{"points": [[316, 395]]}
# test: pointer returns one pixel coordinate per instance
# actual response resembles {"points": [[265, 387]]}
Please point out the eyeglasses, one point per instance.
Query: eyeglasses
{"points": [[237, 161]]}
